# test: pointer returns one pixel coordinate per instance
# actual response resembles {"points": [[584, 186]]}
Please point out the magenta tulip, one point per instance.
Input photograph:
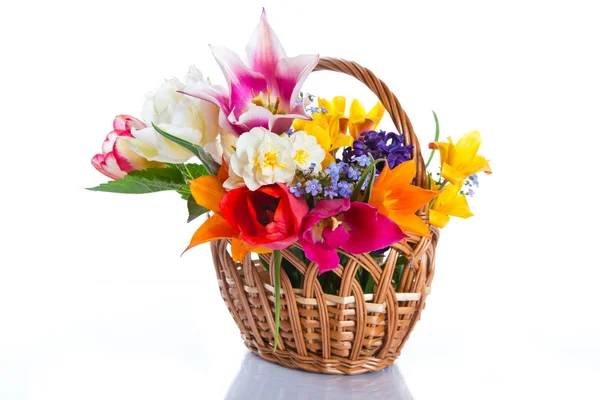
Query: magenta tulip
{"points": [[354, 227]]}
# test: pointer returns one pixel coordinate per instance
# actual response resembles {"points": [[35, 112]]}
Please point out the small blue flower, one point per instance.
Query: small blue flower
{"points": [[363, 160], [471, 193], [364, 186], [333, 170], [290, 131], [297, 190], [475, 180], [330, 191], [343, 167], [344, 188], [313, 187], [353, 173]]}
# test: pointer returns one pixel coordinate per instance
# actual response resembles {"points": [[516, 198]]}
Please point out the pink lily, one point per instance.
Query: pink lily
{"points": [[117, 159], [353, 226], [262, 94]]}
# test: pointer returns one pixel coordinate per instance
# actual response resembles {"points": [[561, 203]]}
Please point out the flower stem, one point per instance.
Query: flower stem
{"points": [[443, 184], [437, 136], [276, 271]]}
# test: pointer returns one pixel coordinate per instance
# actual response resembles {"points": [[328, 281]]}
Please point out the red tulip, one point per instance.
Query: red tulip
{"points": [[269, 216]]}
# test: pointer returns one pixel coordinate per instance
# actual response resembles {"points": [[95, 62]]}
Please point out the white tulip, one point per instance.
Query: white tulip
{"points": [[191, 119]]}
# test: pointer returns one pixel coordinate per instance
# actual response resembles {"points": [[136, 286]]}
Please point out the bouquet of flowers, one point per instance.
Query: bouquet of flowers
{"points": [[277, 169]]}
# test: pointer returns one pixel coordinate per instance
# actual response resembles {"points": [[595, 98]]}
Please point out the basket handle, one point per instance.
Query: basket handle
{"points": [[389, 101]]}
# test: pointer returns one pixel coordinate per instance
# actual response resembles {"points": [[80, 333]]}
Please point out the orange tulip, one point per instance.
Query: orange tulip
{"points": [[395, 197]]}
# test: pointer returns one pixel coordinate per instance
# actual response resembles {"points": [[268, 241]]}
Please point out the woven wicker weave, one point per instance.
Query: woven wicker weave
{"points": [[351, 332]]}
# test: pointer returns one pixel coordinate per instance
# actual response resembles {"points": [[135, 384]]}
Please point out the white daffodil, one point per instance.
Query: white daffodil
{"points": [[261, 158], [191, 119], [307, 151]]}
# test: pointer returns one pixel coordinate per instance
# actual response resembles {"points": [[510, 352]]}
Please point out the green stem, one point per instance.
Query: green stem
{"points": [[276, 270], [437, 136]]}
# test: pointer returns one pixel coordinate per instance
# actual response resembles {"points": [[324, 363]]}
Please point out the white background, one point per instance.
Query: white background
{"points": [[95, 302]]}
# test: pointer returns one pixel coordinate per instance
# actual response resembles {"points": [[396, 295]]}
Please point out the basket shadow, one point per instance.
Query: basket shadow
{"points": [[260, 379]]}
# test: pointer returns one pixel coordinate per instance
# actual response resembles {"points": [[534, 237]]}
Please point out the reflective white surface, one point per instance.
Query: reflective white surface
{"points": [[260, 379], [176, 340]]}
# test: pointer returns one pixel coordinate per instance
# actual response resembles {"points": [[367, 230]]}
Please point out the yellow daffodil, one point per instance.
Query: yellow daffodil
{"points": [[331, 128], [461, 160], [395, 197], [361, 121], [449, 203]]}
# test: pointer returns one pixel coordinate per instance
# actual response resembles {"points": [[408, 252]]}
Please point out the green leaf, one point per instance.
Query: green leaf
{"points": [[276, 265], [195, 170], [196, 150], [437, 136], [368, 173], [194, 209], [398, 271], [145, 181]]}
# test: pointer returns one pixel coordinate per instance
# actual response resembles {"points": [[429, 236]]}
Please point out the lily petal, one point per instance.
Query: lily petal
{"points": [[216, 227], [208, 191], [238, 250], [452, 174], [409, 222], [254, 117], [280, 123], [376, 114], [466, 148], [241, 79], [438, 219], [291, 74], [264, 50]]}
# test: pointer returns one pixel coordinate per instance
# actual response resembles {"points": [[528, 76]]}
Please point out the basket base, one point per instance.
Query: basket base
{"points": [[333, 366]]}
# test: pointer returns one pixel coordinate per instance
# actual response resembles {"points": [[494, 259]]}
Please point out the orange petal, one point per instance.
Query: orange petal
{"points": [[409, 223], [216, 227], [223, 174], [208, 191], [410, 198], [404, 173], [258, 249], [238, 250]]}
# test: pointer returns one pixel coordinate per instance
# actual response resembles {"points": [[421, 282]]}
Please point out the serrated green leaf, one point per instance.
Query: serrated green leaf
{"points": [[194, 209], [196, 150], [196, 170], [145, 181]]}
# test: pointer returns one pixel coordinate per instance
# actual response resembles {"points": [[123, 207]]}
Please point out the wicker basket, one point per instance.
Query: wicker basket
{"points": [[351, 332]]}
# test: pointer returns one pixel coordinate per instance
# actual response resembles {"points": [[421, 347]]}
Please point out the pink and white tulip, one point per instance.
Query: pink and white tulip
{"points": [[117, 158], [263, 93]]}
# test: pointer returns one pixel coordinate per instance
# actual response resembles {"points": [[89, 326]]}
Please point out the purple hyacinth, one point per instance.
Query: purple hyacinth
{"points": [[388, 145]]}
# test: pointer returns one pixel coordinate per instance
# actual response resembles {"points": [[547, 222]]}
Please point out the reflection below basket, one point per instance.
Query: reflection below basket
{"points": [[258, 379]]}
